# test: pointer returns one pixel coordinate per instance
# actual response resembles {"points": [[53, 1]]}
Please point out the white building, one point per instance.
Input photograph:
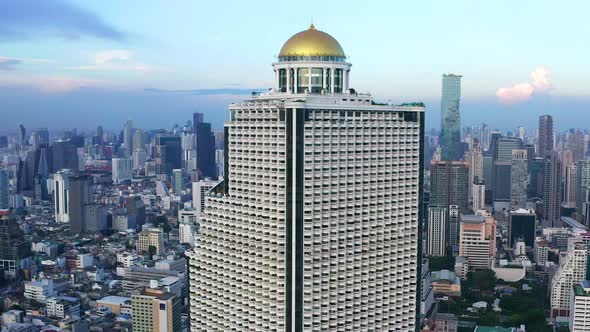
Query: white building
{"points": [[572, 270], [39, 291], [84, 261], [479, 195], [139, 159], [321, 202], [122, 169], [579, 318], [62, 307], [541, 254], [127, 259], [437, 226], [199, 192], [61, 195], [478, 240]]}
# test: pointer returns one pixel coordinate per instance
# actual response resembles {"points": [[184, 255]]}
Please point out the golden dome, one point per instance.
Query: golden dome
{"points": [[312, 42]]}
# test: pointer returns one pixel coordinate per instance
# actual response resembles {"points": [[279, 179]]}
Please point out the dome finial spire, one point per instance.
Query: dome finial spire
{"points": [[311, 26]]}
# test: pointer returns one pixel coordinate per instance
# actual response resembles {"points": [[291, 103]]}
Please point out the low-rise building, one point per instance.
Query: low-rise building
{"points": [[445, 282]]}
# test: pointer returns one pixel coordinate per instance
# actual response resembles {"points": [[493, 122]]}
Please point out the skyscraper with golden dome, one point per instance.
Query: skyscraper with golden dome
{"points": [[316, 225]]}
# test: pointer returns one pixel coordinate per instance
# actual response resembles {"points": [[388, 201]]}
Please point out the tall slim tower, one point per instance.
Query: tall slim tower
{"points": [[128, 137], [551, 189], [545, 135], [312, 206], [450, 124], [3, 190]]}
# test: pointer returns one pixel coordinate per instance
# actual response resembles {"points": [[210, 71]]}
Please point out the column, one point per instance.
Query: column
{"points": [[344, 80], [277, 83], [332, 75], [309, 80], [296, 80], [324, 78]]}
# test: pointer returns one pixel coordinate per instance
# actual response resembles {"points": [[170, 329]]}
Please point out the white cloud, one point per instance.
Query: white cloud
{"points": [[115, 60], [109, 56], [522, 92]]}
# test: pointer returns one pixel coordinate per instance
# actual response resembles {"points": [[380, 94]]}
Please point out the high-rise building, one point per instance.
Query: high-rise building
{"points": [[449, 183], [205, 146], [437, 231], [122, 169], [551, 189], [575, 143], [283, 193], [521, 225], [478, 240], [541, 253], [139, 159], [15, 250], [155, 310], [128, 137], [199, 191], [583, 182], [80, 196], [479, 195], [519, 178], [100, 135], [3, 190], [545, 135], [138, 143], [572, 270], [475, 159], [570, 186], [177, 181], [454, 227], [579, 317], [21, 134], [169, 154], [61, 195], [65, 155], [450, 124]]}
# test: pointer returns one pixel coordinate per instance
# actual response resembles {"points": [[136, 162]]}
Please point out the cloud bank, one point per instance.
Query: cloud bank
{"points": [[522, 92], [32, 19]]}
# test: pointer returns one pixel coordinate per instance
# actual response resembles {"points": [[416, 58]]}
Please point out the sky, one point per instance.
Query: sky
{"points": [[67, 64]]}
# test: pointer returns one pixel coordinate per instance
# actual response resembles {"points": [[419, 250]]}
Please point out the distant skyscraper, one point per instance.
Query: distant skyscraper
{"points": [[122, 169], [177, 181], [15, 250], [139, 159], [570, 186], [451, 118], [199, 191], [128, 137], [3, 190], [169, 154], [545, 135], [21, 134], [65, 155], [575, 144], [205, 146], [79, 197], [551, 189], [100, 135], [582, 183], [138, 143], [475, 159], [518, 179], [449, 183], [61, 195], [437, 231], [454, 228], [275, 196]]}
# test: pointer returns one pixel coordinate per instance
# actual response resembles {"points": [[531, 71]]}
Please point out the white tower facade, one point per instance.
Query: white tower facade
{"points": [[122, 169], [437, 231], [316, 225], [61, 196]]}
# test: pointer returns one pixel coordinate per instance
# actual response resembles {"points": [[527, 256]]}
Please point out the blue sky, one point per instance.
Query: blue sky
{"points": [[57, 55]]}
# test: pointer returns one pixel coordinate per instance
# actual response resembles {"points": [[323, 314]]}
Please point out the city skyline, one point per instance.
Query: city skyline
{"points": [[65, 55]]}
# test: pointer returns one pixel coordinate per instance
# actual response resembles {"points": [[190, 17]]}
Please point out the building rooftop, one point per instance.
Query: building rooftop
{"points": [[472, 219], [112, 299]]}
